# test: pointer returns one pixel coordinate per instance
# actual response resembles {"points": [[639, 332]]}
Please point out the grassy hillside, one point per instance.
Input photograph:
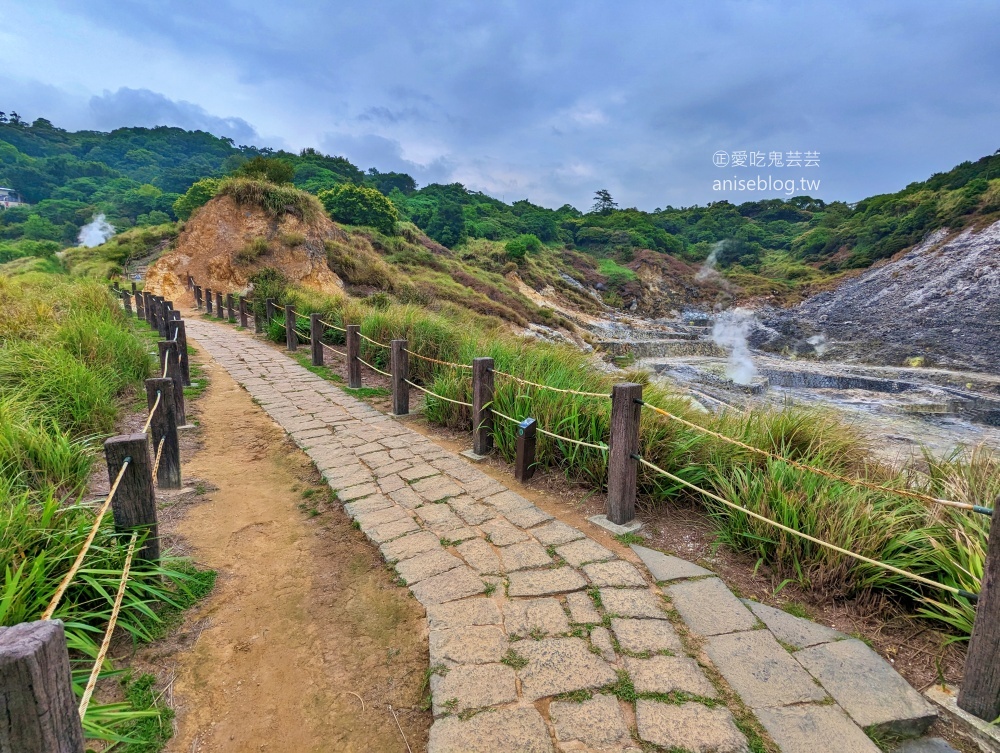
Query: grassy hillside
{"points": [[148, 177]]}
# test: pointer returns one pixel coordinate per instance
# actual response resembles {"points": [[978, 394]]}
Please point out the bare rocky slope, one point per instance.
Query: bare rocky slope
{"points": [[938, 301]]}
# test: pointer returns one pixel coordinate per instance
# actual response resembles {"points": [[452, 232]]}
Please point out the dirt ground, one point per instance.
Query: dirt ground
{"points": [[305, 641]]}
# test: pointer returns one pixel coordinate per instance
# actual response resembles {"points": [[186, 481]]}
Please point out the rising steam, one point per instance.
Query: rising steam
{"points": [[730, 332], [95, 232], [708, 270]]}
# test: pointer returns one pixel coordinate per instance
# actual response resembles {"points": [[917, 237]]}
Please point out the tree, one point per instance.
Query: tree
{"points": [[603, 203], [517, 248], [360, 205], [197, 195], [268, 168], [447, 225]]}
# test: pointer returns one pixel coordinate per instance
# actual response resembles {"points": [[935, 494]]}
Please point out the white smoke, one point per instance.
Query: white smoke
{"points": [[708, 270], [95, 232], [819, 343], [730, 332]]}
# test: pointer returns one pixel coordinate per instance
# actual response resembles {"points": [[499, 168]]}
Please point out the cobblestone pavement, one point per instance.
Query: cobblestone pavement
{"points": [[540, 638]]}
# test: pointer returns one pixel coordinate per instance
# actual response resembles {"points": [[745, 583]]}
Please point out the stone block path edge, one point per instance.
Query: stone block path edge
{"points": [[533, 626]]}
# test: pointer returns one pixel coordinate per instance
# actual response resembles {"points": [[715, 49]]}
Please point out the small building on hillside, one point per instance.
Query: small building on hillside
{"points": [[9, 198]]}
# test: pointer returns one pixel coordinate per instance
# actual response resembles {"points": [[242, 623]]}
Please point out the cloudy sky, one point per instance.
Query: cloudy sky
{"points": [[543, 100]]}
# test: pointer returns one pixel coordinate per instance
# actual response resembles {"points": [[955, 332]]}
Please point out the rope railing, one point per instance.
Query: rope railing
{"points": [[374, 368], [434, 360], [159, 454], [820, 471], [833, 547], [373, 342], [68, 578], [301, 316], [152, 412], [333, 350], [434, 394], [559, 437], [519, 380], [106, 643], [332, 326]]}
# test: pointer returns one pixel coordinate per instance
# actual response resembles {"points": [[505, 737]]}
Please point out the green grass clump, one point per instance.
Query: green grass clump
{"points": [[272, 198]]}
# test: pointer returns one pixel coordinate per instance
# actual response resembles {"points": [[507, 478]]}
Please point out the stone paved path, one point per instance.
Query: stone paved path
{"points": [[533, 626]]}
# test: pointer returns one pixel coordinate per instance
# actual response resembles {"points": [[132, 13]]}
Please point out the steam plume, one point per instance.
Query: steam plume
{"points": [[95, 232], [730, 332]]}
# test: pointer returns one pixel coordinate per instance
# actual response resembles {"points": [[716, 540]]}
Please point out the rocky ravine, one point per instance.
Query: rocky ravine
{"points": [[939, 301]]}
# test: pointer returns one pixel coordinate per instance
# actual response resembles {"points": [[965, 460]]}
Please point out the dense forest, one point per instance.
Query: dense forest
{"points": [[155, 176]]}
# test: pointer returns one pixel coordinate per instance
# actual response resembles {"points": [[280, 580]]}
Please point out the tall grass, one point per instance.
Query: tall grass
{"points": [[944, 545]]}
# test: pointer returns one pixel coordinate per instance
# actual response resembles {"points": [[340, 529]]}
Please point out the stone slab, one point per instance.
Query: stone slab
{"points": [[872, 693], [480, 556], [412, 473], [366, 505], [526, 517], [581, 551], [409, 546], [395, 529], [618, 529], [475, 644], [502, 533], [426, 565], [581, 608], [464, 613], [435, 488], [642, 636], [406, 497], [815, 729], [761, 672], [600, 638], [689, 727], [531, 617], [632, 602], [560, 665], [596, 723], [440, 518], [545, 582], [513, 729], [667, 674], [473, 686], [522, 556], [472, 512], [986, 735], [665, 567], [454, 584], [709, 608], [374, 518], [792, 630], [556, 533], [924, 745], [356, 492], [614, 573]]}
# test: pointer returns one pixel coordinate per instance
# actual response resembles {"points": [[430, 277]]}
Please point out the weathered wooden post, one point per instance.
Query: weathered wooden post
{"points": [[134, 288], [258, 324], [164, 427], [353, 351], [190, 281], [269, 303], [482, 398], [170, 358], [219, 312], [400, 368], [626, 410], [162, 315], [134, 504], [178, 332], [208, 300], [980, 691], [316, 339], [147, 301], [291, 339], [197, 296], [524, 464], [243, 312], [230, 308], [127, 300], [36, 690], [151, 311], [140, 310]]}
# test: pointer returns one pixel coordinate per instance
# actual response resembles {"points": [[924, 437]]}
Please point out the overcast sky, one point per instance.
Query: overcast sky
{"points": [[543, 100]]}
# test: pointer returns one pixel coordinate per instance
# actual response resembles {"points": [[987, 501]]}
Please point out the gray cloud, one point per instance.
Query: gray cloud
{"points": [[546, 99]]}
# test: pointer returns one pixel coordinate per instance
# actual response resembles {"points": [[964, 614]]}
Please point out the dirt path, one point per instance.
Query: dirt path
{"points": [[304, 614]]}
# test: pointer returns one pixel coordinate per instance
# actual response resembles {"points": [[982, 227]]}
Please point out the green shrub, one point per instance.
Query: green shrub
{"points": [[275, 200], [199, 194], [360, 205], [270, 169], [252, 251]]}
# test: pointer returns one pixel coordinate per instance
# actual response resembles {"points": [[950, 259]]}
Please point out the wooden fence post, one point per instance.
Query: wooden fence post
{"points": [[258, 325], [134, 288], [482, 398], [147, 313], [36, 690], [151, 311], [161, 315], [524, 464], [140, 309], [178, 332], [230, 306], [169, 356], [353, 351], [291, 339], [197, 296], [626, 410], [219, 312], [190, 281], [269, 304], [134, 504], [127, 300], [243, 312], [316, 337], [164, 426], [400, 368], [980, 691]]}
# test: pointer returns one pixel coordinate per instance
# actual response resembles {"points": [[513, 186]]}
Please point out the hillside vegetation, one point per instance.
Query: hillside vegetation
{"points": [[775, 247]]}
